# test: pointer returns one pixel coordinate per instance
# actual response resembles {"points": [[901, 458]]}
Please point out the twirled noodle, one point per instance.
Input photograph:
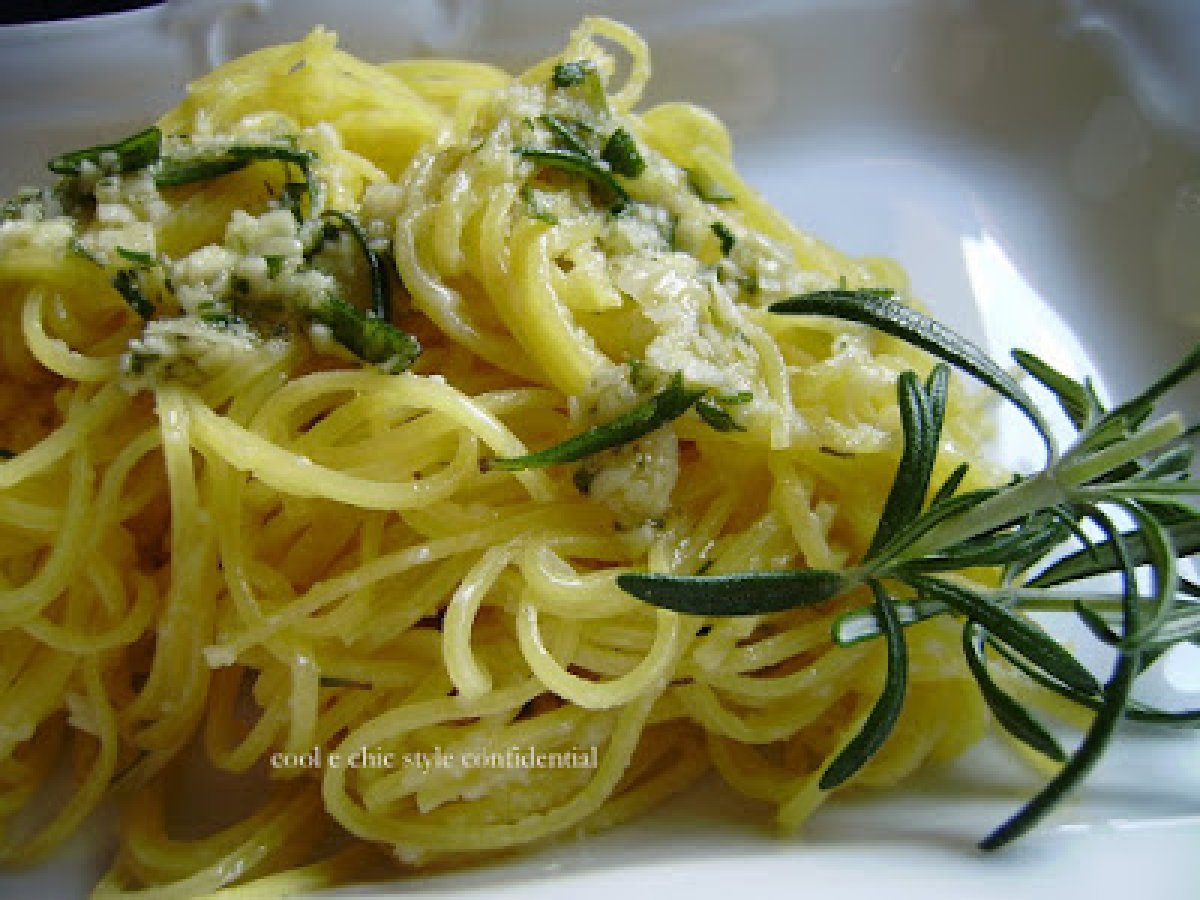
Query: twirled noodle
{"points": [[218, 529]]}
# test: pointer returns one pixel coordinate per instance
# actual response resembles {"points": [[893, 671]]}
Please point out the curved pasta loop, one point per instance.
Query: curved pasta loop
{"points": [[645, 676]]}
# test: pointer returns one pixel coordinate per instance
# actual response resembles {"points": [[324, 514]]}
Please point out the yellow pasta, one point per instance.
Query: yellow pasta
{"points": [[219, 529]]}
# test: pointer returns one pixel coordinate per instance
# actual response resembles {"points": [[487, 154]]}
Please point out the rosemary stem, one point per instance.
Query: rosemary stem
{"points": [[1149, 438], [1043, 600], [1040, 491]]}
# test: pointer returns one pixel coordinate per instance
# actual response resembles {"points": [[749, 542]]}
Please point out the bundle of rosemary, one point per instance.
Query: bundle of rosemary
{"points": [[1044, 531]]}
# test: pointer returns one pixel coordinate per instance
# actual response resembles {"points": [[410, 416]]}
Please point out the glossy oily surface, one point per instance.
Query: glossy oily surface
{"points": [[1034, 167]]}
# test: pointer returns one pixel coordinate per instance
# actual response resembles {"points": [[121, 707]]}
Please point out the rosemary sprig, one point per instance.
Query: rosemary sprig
{"points": [[1120, 462]]}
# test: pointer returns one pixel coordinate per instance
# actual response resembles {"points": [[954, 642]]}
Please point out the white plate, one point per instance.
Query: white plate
{"points": [[1035, 168]]}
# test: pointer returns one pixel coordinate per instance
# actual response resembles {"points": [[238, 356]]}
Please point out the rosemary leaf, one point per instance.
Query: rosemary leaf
{"points": [[649, 415], [746, 593], [862, 624], [175, 171], [381, 300], [1014, 718], [134, 152], [570, 133], [577, 164], [129, 286], [622, 154], [1077, 400], [1019, 633], [1183, 530], [885, 712], [717, 418], [1116, 698], [724, 235], [370, 339], [922, 410]]}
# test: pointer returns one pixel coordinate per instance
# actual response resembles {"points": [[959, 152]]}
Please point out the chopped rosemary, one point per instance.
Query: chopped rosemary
{"points": [[577, 164], [734, 399], [381, 299], [129, 286], [371, 339], [582, 77], [175, 171], [138, 258], [716, 417], [134, 152], [622, 155], [724, 235], [1120, 461], [649, 415], [570, 133]]}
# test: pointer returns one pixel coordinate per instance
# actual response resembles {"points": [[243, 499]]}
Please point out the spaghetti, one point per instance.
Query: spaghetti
{"points": [[243, 512]]}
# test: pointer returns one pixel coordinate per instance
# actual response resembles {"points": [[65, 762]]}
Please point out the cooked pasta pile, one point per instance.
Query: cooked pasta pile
{"points": [[241, 512]]}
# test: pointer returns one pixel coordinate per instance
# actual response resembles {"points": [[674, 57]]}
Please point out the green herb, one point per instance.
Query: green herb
{"points": [[569, 74], [218, 315], [576, 164], [885, 712], [129, 286], [138, 258], [734, 399], [647, 416], [292, 198], [1120, 461], [582, 479], [707, 188], [622, 155], [638, 372], [534, 206], [274, 265], [740, 594], [724, 235], [582, 77], [371, 339], [569, 132], [175, 171], [134, 152], [670, 231], [381, 299], [717, 418]]}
